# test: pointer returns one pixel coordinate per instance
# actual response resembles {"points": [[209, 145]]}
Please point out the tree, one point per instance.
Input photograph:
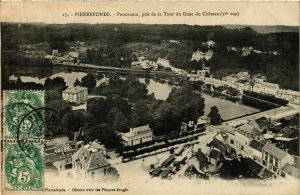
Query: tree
{"points": [[189, 103], [140, 114], [104, 134], [57, 83], [77, 83], [73, 120], [89, 81], [52, 95], [215, 117], [165, 119], [117, 120]]}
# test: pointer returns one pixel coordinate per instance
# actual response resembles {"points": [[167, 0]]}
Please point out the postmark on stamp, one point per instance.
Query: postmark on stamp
{"points": [[23, 125], [24, 167], [23, 114]]}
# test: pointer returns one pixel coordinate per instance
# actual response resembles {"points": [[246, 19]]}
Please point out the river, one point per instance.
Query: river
{"points": [[227, 109]]}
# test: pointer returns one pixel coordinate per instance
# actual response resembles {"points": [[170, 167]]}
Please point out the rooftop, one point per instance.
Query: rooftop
{"points": [[274, 151], [291, 170], [249, 130], [256, 145], [262, 121], [74, 89], [215, 154]]}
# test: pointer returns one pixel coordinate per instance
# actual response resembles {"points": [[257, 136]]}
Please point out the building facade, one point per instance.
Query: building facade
{"points": [[274, 158], [137, 135], [76, 95]]}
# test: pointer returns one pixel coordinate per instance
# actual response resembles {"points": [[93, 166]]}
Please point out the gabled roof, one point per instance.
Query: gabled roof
{"points": [[93, 160], [256, 145], [288, 132], [215, 154], [217, 144], [292, 171], [249, 130], [258, 169], [274, 151], [261, 122], [96, 161], [201, 157], [54, 157]]}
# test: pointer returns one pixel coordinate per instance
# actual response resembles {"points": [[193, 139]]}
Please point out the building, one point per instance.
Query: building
{"points": [[200, 55], [163, 62], [90, 163], [55, 52], [274, 158], [137, 135], [76, 95], [261, 123], [209, 43], [61, 160], [290, 171], [246, 51], [255, 150], [266, 87]]}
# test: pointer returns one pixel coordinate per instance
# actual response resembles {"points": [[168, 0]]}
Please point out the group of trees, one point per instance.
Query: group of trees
{"points": [[88, 81], [129, 88]]}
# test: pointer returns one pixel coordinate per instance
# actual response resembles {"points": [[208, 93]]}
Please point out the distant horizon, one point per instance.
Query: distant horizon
{"points": [[264, 29]]}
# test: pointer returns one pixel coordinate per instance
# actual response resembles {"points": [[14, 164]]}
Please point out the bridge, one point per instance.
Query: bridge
{"points": [[104, 69]]}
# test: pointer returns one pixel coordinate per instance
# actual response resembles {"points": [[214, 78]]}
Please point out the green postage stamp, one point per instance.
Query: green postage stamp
{"points": [[22, 137]]}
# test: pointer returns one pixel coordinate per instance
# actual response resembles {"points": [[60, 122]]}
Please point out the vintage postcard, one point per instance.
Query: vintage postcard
{"points": [[150, 98]]}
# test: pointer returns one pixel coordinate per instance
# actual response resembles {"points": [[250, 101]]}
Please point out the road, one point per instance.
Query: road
{"points": [[274, 114]]}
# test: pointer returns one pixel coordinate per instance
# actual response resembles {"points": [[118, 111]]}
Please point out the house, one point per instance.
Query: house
{"points": [[76, 95], [246, 51], [55, 52], [209, 43], [200, 55], [261, 123], [274, 158], [243, 76], [74, 54], [287, 132], [219, 145], [250, 131], [61, 160], [90, 163], [163, 62], [202, 121], [214, 157], [255, 150], [258, 170], [266, 87], [137, 135], [202, 159], [290, 171]]}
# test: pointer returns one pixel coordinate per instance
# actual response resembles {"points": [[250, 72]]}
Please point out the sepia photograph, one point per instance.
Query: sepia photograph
{"points": [[121, 107]]}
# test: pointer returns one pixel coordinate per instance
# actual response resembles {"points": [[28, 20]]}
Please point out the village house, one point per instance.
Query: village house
{"points": [[209, 43], [274, 158], [61, 160], [200, 55], [266, 87], [290, 171], [243, 76], [163, 62], [246, 51], [262, 124], [137, 135], [55, 52], [255, 150], [76, 95], [90, 163]]}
